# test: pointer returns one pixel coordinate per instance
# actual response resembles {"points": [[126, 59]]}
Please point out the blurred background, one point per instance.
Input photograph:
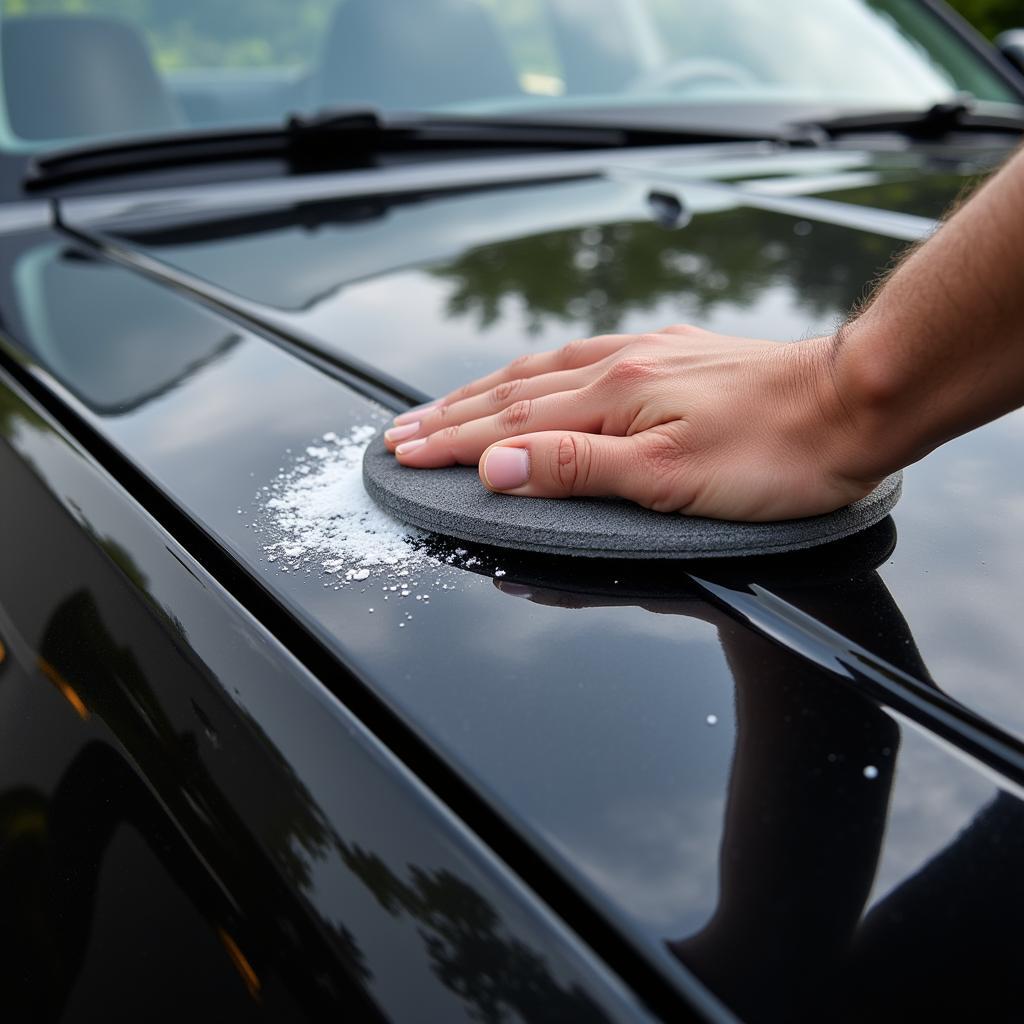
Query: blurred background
{"points": [[206, 33], [991, 16]]}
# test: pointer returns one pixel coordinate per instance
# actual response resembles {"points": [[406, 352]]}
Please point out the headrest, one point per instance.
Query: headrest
{"points": [[66, 76], [408, 54]]}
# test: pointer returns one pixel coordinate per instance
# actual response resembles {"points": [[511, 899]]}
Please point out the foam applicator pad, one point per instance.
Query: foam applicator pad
{"points": [[455, 503]]}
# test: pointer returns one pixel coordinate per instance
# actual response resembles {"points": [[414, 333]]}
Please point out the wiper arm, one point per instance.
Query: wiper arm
{"points": [[295, 140], [933, 123], [342, 137]]}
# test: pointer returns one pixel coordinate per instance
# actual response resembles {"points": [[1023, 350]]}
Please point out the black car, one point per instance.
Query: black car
{"points": [[267, 754]]}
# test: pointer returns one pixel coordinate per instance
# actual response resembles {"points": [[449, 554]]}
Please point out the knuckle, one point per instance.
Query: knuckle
{"points": [[573, 462], [516, 416], [503, 393], [449, 435], [569, 354], [521, 362], [629, 371]]}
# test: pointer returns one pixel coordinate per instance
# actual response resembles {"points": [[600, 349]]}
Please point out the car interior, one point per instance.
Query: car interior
{"points": [[75, 76], [68, 76]]}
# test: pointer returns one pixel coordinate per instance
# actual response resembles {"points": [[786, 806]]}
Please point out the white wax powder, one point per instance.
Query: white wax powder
{"points": [[322, 517], [320, 522]]}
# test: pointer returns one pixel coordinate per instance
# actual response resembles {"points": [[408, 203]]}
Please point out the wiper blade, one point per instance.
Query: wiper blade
{"points": [[294, 140], [340, 138], [935, 122]]}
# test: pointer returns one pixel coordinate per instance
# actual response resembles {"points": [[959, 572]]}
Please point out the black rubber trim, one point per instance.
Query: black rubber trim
{"points": [[888, 686], [681, 999]]}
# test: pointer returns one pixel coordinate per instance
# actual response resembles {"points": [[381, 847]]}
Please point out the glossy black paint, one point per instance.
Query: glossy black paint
{"points": [[574, 699], [189, 822], [484, 278]]}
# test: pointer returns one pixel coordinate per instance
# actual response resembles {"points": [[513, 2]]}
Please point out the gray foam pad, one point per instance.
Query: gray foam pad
{"points": [[455, 503]]}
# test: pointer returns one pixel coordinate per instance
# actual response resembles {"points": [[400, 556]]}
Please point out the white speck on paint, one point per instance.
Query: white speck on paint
{"points": [[870, 772], [712, 719]]}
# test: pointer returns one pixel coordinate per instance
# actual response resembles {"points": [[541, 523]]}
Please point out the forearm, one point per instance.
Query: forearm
{"points": [[940, 349]]}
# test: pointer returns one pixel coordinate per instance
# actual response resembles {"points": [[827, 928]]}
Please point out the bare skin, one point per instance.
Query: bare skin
{"points": [[684, 420]]}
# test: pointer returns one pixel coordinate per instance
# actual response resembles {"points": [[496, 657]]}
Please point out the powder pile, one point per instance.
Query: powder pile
{"points": [[319, 522], [321, 516]]}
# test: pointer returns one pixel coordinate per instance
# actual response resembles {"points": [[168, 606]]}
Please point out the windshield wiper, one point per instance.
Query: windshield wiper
{"points": [[342, 138], [935, 122]]}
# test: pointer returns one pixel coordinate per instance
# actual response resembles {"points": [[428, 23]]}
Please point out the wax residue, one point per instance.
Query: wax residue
{"points": [[318, 521], [321, 518]]}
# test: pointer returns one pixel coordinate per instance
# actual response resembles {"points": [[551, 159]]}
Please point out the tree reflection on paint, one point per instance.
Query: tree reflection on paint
{"points": [[53, 848], [497, 976], [596, 276]]}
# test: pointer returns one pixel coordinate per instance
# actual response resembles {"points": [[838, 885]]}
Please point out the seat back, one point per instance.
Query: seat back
{"points": [[68, 76], [408, 54]]}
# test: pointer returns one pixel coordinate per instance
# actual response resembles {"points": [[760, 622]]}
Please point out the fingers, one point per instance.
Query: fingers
{"points": [[582, 352], [569, 463], [464, 443], [432, 419]]}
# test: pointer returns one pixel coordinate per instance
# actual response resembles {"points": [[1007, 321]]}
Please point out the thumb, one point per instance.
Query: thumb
{"points": [[566, 464]]}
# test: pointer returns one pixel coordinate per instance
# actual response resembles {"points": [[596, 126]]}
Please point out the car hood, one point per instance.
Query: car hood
{"points": [[740, 762]]}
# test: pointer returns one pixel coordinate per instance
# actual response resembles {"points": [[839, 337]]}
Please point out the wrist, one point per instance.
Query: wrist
{"points": [[880, 424]]}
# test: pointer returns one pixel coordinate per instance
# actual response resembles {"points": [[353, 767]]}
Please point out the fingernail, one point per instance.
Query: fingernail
{"points": [[420, 410], [507, 468], [409, 446], [397, 433]]}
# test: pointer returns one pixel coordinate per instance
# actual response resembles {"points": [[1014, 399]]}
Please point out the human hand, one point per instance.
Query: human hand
{"points": [[680, 420]]}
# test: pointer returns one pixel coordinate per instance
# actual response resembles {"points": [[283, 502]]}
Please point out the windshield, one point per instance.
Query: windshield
{"points": [[75, 70]]}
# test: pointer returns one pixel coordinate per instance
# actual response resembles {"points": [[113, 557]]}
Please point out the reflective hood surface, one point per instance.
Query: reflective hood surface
{"points": [[796, 776]]}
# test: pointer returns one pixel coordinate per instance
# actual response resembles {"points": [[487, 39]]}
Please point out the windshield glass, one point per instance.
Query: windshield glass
{"points": [[74, 70]]}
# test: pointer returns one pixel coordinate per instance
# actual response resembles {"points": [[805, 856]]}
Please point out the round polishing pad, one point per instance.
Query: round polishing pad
{"points": [[455, 503]]}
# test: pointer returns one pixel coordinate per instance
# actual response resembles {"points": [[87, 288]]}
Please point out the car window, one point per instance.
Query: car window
{"points": [[81, 69], [838, 49]]}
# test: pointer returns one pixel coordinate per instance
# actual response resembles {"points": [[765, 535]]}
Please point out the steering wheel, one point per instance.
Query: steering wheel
{"points": [[691, 69]]}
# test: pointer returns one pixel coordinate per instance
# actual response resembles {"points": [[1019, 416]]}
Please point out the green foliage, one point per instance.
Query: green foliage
{"points": [[991, 16]]}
